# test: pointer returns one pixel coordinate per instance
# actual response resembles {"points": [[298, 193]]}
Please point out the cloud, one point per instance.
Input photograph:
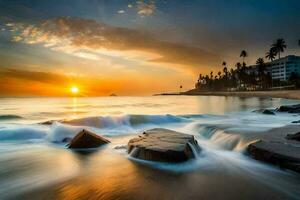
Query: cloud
{"points": [[121, 11], [72, 35], [146, 9]]}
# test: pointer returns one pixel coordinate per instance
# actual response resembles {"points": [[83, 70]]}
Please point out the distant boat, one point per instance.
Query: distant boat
{"points": [[113, 95]]}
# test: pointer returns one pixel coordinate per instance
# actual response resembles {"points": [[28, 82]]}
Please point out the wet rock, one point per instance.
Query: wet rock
{"points": [[295, 136], [50, 122], [296, 122], [282, 154], [163, 145], [265, 111], [120, 147], [66, 139], [86, 139], [289, 108]]}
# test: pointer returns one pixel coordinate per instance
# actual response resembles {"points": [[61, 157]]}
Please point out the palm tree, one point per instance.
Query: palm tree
{"points": [[224, 63], [261, 69], [260, 61], [279, 45], [238, 66], [244, 54], [200, 78], [219, 74], [271, 54], [225, 70]]}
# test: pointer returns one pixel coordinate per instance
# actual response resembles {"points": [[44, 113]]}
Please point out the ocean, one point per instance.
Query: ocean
{"points": [[34, 164]]}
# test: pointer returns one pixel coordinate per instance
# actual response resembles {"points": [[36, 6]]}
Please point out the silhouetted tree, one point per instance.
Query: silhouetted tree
{"points": [[219, 74], [261, 70], [271, 54], [279, 45], [243, 54]]}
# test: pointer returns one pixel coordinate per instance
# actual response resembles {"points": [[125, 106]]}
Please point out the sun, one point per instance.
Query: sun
{"points": [[74, 90]]}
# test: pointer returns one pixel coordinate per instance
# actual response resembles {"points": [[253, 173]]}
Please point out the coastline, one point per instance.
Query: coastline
{"points": [[287, 94], [93, 184]]}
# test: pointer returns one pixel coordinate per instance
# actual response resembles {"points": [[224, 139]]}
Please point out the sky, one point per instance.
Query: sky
{"points": [[133, 47]]}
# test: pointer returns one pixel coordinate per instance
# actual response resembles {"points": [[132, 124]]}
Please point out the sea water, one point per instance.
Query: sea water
{"points": [[34, 164]]}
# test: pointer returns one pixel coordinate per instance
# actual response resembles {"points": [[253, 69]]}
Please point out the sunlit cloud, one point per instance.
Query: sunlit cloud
{"points": [[146, 9], [121, 11], [72, 35]]}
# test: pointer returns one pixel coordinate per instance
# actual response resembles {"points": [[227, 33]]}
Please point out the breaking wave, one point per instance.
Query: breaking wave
{"points": [[104, 125], [23, 133], [125, 120]]}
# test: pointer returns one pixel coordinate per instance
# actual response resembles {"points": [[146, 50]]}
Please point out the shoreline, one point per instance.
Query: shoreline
{"points": [[287, 94]]}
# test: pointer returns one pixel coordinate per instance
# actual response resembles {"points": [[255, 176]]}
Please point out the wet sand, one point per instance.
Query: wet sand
{"points": [[109, 174]]}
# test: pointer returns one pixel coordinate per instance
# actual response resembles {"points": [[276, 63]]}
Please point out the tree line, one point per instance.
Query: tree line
{"points": [[244, 77]]}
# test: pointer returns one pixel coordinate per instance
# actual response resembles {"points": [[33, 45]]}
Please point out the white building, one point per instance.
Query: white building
{"points": [[282, 68]]}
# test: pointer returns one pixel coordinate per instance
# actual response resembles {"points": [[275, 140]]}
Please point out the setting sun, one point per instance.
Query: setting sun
{"points": [[74, 90]]}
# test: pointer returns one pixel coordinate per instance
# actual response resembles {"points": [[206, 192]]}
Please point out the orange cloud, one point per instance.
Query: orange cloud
{"points": [[70, 35]]}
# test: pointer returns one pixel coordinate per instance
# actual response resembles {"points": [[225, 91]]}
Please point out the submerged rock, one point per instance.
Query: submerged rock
{"points": [[86, 139], [289, 108], [295, 136], [279, 153], [50, 122], [296, 122], [265, 111], [163, 145]]}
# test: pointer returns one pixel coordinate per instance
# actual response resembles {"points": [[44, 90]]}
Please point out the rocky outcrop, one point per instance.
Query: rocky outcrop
{"points": [[265, 111], [282, 154], [86, 139], [289, 108], [163, 145]]}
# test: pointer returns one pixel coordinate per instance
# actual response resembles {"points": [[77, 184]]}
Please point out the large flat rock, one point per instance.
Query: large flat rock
{"points": [[276, 149], [163, 145]]}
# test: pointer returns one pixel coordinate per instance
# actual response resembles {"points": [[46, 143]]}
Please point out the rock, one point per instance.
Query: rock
{"points": [[296, 122], [265, 111], [282, 154], [120, 147], [163, 145], [295, 136], [50, 122], [268, 112], [289, 108], [66, 139], [86, 139]]}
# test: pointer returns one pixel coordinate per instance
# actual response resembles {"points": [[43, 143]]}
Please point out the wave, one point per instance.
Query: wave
{"points": [[60, 131], [126, 120], [9, 117], [221, 139], [23, 133]]}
